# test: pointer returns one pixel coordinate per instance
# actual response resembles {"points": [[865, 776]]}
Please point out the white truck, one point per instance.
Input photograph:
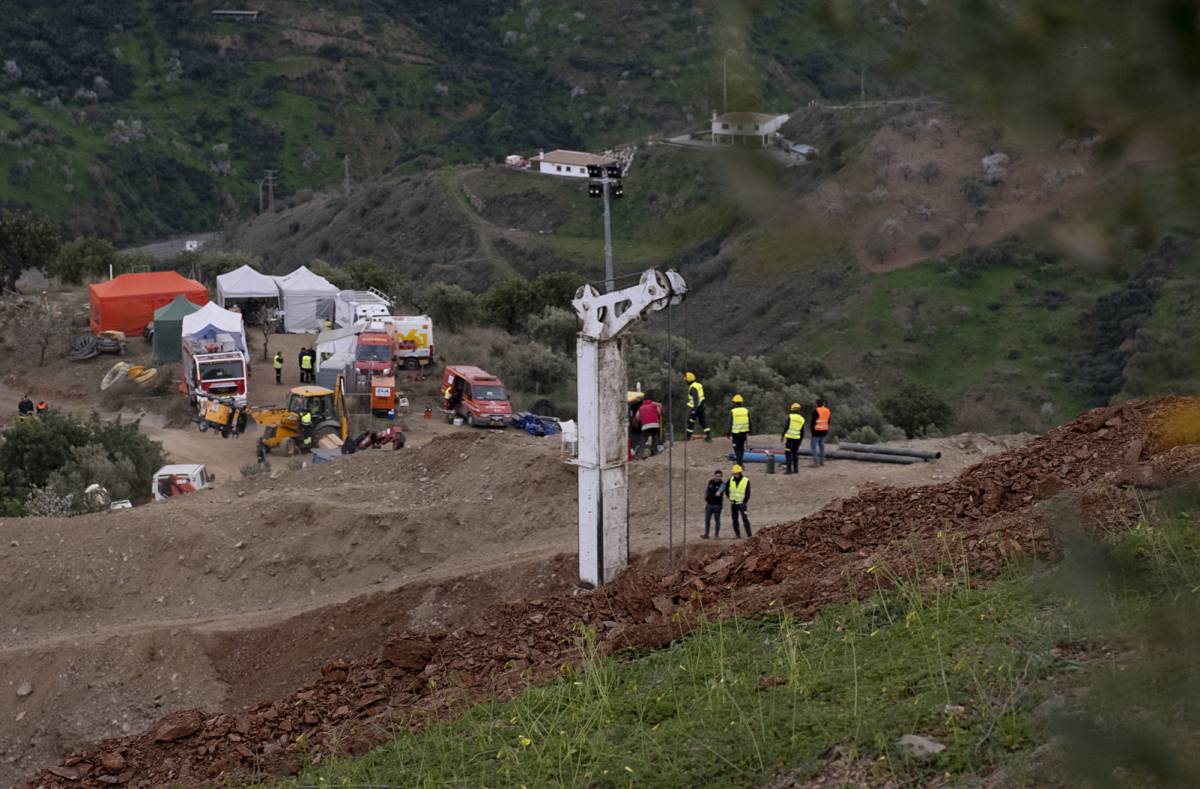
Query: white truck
{"points": [[414, 341], [352, 306], [179, 479]]}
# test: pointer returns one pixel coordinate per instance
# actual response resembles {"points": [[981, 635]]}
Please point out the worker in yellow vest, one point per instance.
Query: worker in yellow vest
{"points": [[695, 404], [277, 363], [820, 428], [792, 438], [739, 427], [738, 490], [306, 429], [306, 366]]}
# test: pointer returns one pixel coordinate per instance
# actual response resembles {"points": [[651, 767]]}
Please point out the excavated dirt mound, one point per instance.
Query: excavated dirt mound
{"points": [[985, 515]]}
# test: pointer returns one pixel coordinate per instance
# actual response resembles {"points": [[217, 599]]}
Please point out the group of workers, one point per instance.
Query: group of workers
{"points": [[26, 408]]}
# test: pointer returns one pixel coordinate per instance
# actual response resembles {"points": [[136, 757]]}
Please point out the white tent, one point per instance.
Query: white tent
{"points": [[213, 324], [338, 343], [307, 299], [245, 283]]}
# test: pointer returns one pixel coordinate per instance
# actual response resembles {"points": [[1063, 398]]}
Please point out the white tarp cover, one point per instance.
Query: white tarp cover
{"points": [[245, 283], [338, 343], [210, 322], [307, 300]]}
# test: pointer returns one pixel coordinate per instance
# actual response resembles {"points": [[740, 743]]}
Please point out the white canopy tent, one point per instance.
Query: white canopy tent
{"points": [[245, 283], [307, 300], [338, 343], [216, 325]]}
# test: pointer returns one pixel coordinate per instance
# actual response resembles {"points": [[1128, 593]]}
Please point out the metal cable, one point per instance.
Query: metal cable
{"points": [[687, 438], [670, 450]]}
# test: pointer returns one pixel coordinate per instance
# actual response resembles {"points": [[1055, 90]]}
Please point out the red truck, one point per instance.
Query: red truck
{"points": [[476, 396], [375, 352]]}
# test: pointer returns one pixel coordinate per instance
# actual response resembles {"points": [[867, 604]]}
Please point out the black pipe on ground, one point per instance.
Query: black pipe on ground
{"points": [[923, 454], [871, 457]]}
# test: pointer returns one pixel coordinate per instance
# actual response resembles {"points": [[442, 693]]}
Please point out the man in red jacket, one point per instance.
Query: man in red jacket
{"points": [[649, 417]]}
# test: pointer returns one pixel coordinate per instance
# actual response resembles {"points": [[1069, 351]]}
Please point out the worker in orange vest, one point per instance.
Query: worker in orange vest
{"points": [[820, 427], [42, 408]]}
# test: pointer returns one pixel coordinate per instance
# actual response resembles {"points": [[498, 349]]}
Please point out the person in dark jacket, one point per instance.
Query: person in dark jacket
{"points": [[738, 490], [25, 407], [240, 419], [714, 499]]}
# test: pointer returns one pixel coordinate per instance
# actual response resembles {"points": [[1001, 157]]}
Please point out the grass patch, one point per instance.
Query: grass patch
{"points": [[743, 701]]}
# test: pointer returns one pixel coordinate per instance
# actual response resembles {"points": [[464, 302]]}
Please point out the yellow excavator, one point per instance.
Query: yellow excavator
{"points": [[282, 426]]}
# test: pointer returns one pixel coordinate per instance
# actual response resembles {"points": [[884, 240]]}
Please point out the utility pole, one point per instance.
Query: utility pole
{"points": [[260, 196], [862, 84], [606, 181], [603, 417], [346, 177], [725, 80], [270, 188]]}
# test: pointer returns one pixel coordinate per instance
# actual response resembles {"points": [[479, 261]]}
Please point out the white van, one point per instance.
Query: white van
{"points": [[180, 478]]}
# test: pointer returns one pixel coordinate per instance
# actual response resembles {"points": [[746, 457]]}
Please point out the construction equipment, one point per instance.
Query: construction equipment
{"points": [[282, 426], [216, 413], [604, 416]]}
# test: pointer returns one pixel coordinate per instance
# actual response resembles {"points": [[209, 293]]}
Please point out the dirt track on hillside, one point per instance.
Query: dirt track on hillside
{"points": [[242, 593]]}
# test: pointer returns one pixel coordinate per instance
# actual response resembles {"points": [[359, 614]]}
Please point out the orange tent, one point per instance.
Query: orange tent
{"points": [[128, 302]]}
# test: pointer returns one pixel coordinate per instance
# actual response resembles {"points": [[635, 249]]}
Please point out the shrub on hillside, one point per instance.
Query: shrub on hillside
{"points": [[64, 455], [85, 257], [556, 328], [452, 307], [533, 367], [915, 409]]}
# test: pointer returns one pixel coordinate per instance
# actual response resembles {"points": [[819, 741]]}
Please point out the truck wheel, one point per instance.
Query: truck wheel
{"points": [[410, 363]]}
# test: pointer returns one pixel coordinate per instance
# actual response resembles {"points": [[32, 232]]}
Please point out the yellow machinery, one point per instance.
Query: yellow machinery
{"points": [[330, 422]]}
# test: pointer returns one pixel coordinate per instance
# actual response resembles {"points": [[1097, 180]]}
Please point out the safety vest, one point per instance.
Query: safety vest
{"points": [[41, 406], [278, 361], [306, 419], [822, 422], [795, 426], [741, 419], [306, 362], [697, 390], [328, 324], [737, 489]]}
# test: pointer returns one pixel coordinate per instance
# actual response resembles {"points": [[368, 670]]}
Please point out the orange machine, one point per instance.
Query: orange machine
{"points": [[383, 395]]}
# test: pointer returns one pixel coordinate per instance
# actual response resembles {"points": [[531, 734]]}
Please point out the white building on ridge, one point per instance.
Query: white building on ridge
{"points": [[746, 128], [569, 164]]}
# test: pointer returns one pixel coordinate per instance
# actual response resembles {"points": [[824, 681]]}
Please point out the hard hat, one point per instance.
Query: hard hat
{"points": [[795, 406], [736, 469], [737, 398], [689, 377]]}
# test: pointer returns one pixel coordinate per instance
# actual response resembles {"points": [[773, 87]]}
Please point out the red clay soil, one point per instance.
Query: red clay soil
{"points": [[838, 553]]}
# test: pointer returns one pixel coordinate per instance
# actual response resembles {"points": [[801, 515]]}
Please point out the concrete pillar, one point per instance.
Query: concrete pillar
{"points": [[603, 460]]}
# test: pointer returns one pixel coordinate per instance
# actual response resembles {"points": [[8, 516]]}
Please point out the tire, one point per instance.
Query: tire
{"points": [[114, 374], [544, 408], [203, 425], [411, 363]]}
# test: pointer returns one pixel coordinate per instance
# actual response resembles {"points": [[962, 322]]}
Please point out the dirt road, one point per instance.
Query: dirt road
{"points": [[229, 596]]}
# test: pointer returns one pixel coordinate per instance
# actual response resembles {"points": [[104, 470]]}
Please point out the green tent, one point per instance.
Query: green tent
{"points": [[168, 329]]}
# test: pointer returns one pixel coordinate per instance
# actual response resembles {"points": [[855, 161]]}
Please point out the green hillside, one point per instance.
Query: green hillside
{"points": [[133, 120]]}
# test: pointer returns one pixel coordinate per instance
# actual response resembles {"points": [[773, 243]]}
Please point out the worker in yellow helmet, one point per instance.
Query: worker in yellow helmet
{"points": [[738, 489], [695, 404], [792, 438], [739, 427]]}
